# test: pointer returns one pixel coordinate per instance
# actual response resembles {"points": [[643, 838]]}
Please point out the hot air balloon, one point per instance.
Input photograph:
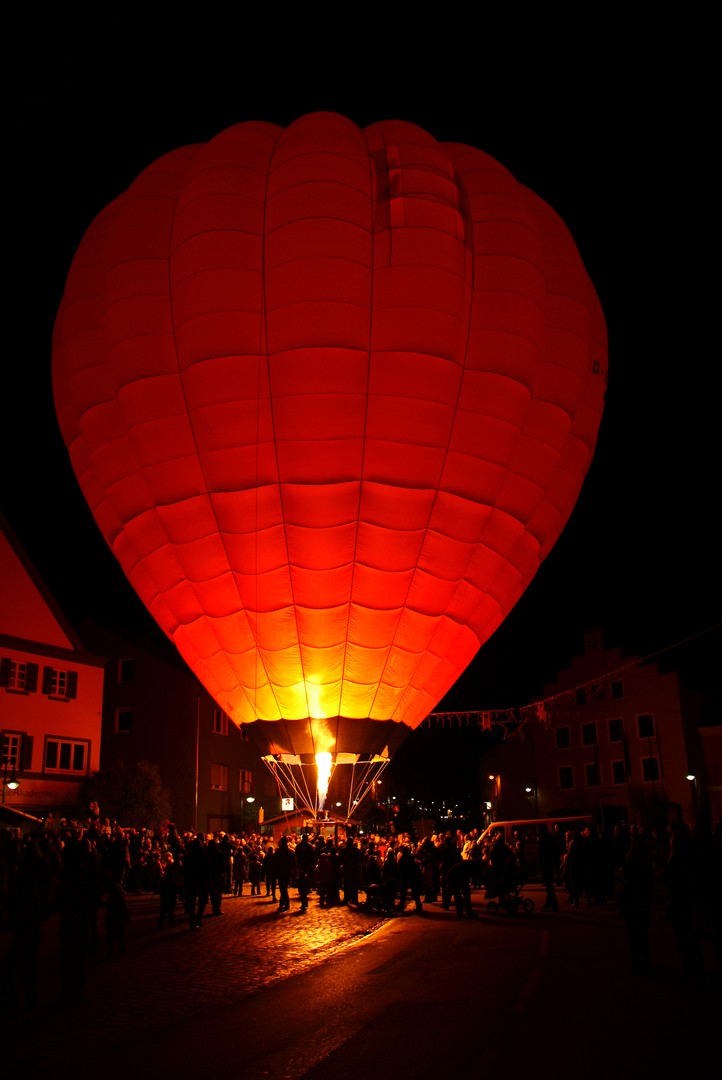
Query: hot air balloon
{"points": [[331, 395]]}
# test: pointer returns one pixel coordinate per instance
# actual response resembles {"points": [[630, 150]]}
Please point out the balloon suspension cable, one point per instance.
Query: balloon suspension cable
{"points": [[348, 782]]}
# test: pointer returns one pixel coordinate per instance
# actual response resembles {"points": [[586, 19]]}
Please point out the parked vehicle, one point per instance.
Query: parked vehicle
{"points": [[522, 836]]}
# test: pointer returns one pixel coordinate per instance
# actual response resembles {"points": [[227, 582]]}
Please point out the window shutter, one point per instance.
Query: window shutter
{"points": [[26, 752], [5, 671], [31, 677], [72, 684], [47, 680]]}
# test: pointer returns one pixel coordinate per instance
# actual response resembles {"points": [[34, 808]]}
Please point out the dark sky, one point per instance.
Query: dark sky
{"points": [[612, 150]]}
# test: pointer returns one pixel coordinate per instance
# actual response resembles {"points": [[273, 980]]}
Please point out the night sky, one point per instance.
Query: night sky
{"points": [[622, 167]]}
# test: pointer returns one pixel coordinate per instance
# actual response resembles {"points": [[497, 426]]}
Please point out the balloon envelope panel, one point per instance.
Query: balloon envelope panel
{"points": [[331, 395]]}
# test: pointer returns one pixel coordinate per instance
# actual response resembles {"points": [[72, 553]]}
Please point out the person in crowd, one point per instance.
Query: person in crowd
{"points": [[284, 864], [352, 871], [227, 848], [117, 917], [239, 870], [409, 877], [549, 857], [171, 884], [77, 906], [196, 880], [458, 888], [323, 877], [216, 873], [573, 867], [450, 855], [305, 866], [255, 869], [682, 881], [269, 871], [635, 902], [502, 868], [708, 860], [27, 903]]}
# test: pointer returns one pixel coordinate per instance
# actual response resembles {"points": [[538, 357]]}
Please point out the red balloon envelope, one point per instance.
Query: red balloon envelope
{"points": [[331, 395]]}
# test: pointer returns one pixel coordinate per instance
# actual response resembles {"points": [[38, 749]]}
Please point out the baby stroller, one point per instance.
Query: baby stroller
{"points": [[380, 899], [506, 894]]}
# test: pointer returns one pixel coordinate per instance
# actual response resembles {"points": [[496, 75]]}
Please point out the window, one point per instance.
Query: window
{"points": [[617, 689], [126, 670], [64, 755], [650, 770], [123, 720], [619, 773], [219, 777], [589, 734], [245, 781], [563, 739], [243, 733], [18, 675], [591, 773], [11, 749], [645, 726], [566, 777], [581, 695], [219, 722], [616, 730], [60, 684]]}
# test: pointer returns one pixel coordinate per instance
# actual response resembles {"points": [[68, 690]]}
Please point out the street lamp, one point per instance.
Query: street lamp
{"points": [[13, 783], [245, 799], [496, 792]]}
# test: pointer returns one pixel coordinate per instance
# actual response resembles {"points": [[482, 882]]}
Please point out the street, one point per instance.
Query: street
{"points": [[340, 993]]}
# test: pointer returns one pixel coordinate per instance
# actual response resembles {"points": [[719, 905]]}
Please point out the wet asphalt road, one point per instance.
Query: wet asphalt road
{"points": [[259, 995]]}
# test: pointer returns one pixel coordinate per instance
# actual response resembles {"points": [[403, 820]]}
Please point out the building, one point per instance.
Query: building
{"points": [[155, 710], [51, 694], [614, 736]]}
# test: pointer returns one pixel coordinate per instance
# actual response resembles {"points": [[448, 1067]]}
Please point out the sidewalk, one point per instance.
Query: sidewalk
{"points": [[231, 957]]}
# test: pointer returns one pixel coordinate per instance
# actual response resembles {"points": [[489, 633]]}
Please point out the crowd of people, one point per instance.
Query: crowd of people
{"points": [[85, 871]]}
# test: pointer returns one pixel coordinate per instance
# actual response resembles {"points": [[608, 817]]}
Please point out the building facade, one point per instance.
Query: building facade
{"points": [[155, 710], [51, 694], [613, 736]]}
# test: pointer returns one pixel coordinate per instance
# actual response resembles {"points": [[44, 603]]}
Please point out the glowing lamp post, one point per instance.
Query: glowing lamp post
{"points": [[245, 799], [496, 792], [13, 783]]}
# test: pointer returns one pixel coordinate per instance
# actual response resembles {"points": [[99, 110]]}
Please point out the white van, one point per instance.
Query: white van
{"points": [[525, 832]]}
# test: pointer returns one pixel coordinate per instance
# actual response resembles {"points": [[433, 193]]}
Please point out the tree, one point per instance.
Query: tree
{"points": [[134, 796]]}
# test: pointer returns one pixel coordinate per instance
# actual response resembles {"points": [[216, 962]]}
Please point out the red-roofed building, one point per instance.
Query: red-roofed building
{"points": [[51, 694]]}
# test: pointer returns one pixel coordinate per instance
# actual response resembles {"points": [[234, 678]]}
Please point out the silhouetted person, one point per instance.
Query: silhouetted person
{"points": [[171, 884], [28, 898], [708, 859], [635, 903], [574, 868], [683, 894], [410, 880], [283, 862], [269, 871], [196, 880], [77, 905], [217, 874], [305, 866], [549, 856], [117, 917], [352, 870]]}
